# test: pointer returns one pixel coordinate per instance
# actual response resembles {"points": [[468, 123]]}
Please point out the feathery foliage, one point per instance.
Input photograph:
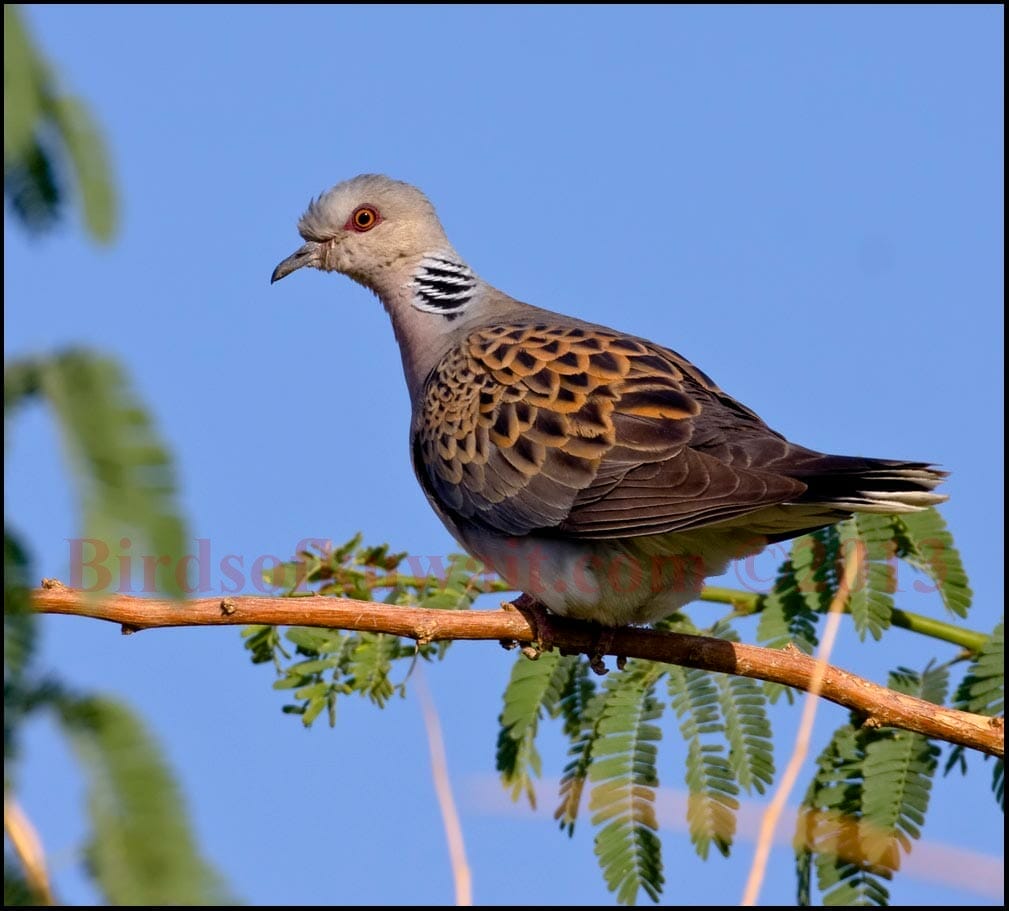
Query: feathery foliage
{"points": [[870, 601], [582, 706], [724, 723], [326, 664], [624, 777], [713, 798], [982, 691], [743, 705], [867, 802], [18, 893], [19, 621], [827, 841], [790, 609], [535, 690], [140, 849], [132, 796], [869, 795], [20, 641], [123, 471], [51, 143], [125, 480], [924, 541]]}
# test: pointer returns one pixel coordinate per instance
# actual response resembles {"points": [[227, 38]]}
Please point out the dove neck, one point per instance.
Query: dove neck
{"points": [[429, 300]]}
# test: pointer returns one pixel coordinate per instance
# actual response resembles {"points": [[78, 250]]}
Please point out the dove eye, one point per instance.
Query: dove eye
{"points": [[364, 219]]}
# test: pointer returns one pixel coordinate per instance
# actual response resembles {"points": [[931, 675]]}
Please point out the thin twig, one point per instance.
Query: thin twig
{"points": [[852, 569], [443, 787], [745, 604], [880, 706], [28, 847]]}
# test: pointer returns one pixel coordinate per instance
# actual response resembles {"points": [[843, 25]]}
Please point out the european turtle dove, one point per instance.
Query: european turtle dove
{"points": [[601, 474]]}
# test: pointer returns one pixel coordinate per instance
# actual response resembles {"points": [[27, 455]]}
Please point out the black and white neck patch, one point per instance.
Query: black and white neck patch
{"points": [[442, 285]]}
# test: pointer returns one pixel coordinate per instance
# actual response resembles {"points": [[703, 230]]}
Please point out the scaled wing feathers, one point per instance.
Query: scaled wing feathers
{"points": [[534, 427]]}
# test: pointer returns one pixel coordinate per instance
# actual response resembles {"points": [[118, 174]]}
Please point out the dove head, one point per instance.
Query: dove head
{"points": [[386, 235], [381, 232]]}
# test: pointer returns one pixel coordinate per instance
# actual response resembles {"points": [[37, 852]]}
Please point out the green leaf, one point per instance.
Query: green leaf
{"points": [[897, 775], [89, 159], [263, 642], [443, 600], [747, 730], [624, 777], [815, 558], [456, 590], [743, 704], [313, 666], [49, 140], [870, 601], [339, 663], [314, 708], [534, 690], [19, 620], [803, 590], [122, 469], [867, 802], [583, 732], [33, 189], [925, 542], [827, 837], [579, 691], [310, 691], [25, 86], [20, 638], [141, 850], [579, 707], [18, 892], [370, 665], [791, 608], [713, 800], [316, 640], [982, 690], [932, 684], [22, 383]]}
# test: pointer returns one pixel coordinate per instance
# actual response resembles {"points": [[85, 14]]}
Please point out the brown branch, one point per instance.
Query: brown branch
{"points": [[881, 707]]}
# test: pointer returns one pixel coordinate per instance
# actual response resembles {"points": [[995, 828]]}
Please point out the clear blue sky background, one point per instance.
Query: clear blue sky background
{"points": [[807, 202]]}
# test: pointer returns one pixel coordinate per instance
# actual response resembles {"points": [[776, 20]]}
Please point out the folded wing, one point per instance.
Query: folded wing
{"points": [[537, 428]]}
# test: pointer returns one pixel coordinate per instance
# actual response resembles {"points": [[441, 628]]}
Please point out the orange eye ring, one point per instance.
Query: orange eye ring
{"points": [[364, 219]]}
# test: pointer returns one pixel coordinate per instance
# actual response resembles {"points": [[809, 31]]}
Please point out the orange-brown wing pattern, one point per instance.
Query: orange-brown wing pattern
{"points": [[539, 427]]}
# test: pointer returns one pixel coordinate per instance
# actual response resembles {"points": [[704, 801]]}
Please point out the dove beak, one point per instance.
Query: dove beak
{"points": [[308, 255]]}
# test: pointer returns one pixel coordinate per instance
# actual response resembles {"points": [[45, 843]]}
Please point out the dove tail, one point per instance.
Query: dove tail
{"points": [[871, 485]]}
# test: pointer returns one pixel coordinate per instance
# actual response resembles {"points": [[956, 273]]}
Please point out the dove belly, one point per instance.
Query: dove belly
{"points": [[613, 582]]}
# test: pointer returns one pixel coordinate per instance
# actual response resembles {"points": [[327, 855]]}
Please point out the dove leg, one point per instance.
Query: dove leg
{"points": [[539, 618], [601, 645]]}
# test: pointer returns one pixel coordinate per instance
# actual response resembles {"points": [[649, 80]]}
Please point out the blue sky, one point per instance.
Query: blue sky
{"points": [[807, 202]]}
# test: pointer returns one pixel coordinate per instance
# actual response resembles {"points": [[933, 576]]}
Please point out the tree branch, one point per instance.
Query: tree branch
{"points": [[746, 603], [881, 707]]}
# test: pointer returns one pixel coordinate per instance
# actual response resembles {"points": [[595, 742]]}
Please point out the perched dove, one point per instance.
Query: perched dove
{"points": [[601, 474]]}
